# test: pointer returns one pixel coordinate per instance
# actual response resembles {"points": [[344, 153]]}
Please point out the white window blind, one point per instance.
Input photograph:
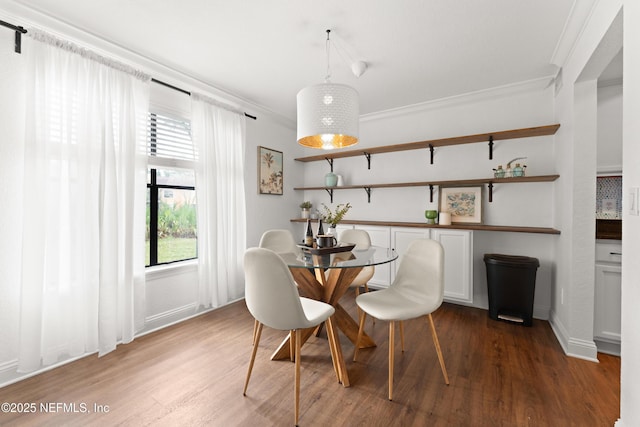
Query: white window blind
{"points": [[169, 141]]}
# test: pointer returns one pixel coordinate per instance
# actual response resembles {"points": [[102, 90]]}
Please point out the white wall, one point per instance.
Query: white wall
{"points": [[630, 372], [265, 211], [609, 127], [519, 106], [571, 256], [576, 109]]}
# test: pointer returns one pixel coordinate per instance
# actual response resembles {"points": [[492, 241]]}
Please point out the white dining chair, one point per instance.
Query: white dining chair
{"points": [[279, 241], [417, 290], [362, 240], [272, 298]]}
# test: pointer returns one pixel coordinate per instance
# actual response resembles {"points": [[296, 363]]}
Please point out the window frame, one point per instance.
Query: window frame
{"points": [[154, 188]]}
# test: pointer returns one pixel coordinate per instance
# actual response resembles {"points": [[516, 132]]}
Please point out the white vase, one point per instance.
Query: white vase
{"points": [[305, 213]]}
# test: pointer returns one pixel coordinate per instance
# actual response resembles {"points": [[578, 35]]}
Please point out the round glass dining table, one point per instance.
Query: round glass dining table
{"points": [[325, 275]]}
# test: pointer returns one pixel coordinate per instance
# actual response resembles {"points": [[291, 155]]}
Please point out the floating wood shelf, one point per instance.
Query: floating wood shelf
{"points": [[476, 227], [431, 144], [431, 184]]}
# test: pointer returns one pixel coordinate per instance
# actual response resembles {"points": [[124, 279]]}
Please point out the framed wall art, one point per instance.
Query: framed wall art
{"points": [[270, 175], [464, 204]]}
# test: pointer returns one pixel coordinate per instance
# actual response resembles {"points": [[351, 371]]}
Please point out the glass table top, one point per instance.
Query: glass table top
{"points": [[375, 255]]}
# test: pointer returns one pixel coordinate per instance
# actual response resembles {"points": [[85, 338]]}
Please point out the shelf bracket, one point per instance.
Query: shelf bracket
{"points": [[431, 193], [368, 190], [490, 192], [368, 156], [330, 162], [490, 147], [431, 149], [330, 191]]}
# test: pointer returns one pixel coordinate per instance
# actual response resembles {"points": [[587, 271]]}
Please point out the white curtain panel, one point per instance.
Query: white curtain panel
{"points": [[218, 135], [84, 203]]}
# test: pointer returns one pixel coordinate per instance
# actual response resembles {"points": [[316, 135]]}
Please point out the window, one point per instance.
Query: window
{"points": [[171, 198]]}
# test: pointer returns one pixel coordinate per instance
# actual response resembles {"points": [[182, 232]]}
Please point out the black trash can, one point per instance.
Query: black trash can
{"points": [[511, 284]]}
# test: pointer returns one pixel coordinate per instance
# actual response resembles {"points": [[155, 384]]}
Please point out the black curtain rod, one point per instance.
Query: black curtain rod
{"points": [[186, 92], [19, 32], [18, 48]]}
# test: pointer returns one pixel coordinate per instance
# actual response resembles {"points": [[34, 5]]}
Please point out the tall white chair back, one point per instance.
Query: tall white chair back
{"points": [[279, 241], [362, 240], [272, 297], [420, 276]]}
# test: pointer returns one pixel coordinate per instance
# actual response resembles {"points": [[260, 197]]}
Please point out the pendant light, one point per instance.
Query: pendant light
{"points": [[328, 113]]}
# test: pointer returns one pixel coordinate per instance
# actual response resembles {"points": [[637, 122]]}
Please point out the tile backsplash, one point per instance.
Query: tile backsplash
{"points": [[609, 197]]}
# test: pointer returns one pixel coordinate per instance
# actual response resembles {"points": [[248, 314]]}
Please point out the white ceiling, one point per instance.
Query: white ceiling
{"points": [[266, 51]]}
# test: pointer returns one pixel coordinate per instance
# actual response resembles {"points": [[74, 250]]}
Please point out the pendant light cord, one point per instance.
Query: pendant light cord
{"points": [[328, 47]]}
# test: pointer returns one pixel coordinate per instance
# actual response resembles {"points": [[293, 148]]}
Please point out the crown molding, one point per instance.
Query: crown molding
{"points": [[574, 26], [477, 96]]}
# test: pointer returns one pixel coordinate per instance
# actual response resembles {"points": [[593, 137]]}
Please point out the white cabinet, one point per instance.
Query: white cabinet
{"points": [[607, 298], [458, 258], [458, 263], [379, 238], [401, 237]]}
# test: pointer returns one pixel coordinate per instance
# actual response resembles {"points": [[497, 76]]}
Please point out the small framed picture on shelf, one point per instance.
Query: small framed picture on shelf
{"points": [[270, 174], [464, 204]]}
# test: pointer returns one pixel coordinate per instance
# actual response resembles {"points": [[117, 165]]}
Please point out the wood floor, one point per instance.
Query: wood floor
{"points": [[192, 374]]}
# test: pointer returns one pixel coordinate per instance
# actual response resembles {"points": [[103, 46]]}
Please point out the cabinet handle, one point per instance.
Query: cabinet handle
{"points": [[615, 253]]}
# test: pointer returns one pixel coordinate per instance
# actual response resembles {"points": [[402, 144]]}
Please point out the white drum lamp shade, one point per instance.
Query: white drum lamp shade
{"points": [[328, 116]]}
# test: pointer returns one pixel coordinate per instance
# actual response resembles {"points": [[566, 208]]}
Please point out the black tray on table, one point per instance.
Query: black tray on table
{"points": [[340, 247]]}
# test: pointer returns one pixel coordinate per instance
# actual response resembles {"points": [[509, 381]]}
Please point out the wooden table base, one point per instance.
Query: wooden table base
{"points": [[328, 289]]}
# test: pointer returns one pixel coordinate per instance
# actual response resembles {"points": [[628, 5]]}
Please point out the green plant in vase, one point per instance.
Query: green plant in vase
{"points": [[305, 207], [334, 217]]}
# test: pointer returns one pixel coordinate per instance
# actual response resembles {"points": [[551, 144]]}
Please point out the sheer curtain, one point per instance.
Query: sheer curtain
{"points": [[218, 134], [82, 286]]}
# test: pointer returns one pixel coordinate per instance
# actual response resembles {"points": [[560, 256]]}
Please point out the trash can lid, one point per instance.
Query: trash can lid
{"points": [[511, 260]]}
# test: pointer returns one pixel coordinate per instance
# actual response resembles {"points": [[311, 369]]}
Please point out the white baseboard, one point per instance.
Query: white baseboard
{"points": [[608, 347], [574, 347]]}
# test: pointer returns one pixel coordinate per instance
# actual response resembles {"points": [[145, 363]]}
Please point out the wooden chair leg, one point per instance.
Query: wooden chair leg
{"points": [[402, 336], [292, 345], [256, 341], [357, 291], [297, 375], [363, 316], [391, 345], [255, 329], [434, 335], [366, 289]]}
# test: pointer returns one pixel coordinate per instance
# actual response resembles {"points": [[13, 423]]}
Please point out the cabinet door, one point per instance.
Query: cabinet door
{"points": [[400, 239], [379, 238], [607, 315], [458, 263]]}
